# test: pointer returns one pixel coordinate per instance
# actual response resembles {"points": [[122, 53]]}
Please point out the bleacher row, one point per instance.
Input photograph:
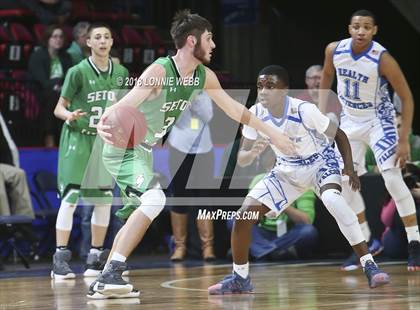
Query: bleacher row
{"points": [[137, 46]]}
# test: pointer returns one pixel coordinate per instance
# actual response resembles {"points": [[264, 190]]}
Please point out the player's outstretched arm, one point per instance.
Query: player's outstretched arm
{"points": [[239, 113], [327, 77], [343, 145], [61, 111], [389, 68], [250, 149]]}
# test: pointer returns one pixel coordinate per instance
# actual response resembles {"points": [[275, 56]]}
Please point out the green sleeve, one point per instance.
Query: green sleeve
{"points": [[72, 84], [306, 203], [370, 160]]}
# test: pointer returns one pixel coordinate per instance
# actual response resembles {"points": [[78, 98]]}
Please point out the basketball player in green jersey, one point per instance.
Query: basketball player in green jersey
{"points": [[87, 89], [163, 91]]}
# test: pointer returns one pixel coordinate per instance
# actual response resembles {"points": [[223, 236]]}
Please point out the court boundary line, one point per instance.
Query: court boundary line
{"points": [[169, 284]]}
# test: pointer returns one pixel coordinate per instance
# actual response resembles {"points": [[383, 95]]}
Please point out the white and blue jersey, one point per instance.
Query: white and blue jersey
{"points": [[314, 164], [360, 88], [368, 116]]}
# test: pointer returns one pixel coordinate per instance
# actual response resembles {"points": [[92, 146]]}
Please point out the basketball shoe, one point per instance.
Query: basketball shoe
{"points": [[413, 256], [232, 284], [110, 283], [95, 262], [376, 277], [61, 268]]}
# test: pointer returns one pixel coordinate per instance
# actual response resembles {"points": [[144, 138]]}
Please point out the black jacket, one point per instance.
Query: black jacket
{"points": [[39, 67]]}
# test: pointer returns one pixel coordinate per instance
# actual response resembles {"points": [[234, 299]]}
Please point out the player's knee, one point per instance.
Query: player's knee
{"points": [[101, 215], [65, 216], [399, 192], [338, 207], [394, 183], [152, 202]]}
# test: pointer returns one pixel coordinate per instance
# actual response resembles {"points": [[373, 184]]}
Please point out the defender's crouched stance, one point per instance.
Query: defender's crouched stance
{"points": [[314, 166]]}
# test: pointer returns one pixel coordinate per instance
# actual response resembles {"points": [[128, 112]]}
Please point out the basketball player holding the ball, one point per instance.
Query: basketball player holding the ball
{"points": [[87, 89], [163, 91]]}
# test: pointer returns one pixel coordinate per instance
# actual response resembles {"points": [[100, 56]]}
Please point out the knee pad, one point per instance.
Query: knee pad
{"points": [[399, 191], [65, 216], [101, 215], [344, 216], [152, 202], [353, 199]]}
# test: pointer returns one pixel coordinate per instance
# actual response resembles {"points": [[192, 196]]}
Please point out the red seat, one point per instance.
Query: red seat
{"points": [[39, 30], [20, 33], [152, 36], [68, 31], [131, 36], [15, 13]]}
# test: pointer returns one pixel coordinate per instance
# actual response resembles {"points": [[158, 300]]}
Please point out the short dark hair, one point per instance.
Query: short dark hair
{"points": [[278, 71], [98, 25], [184, 24], [364, 13], [48, 33]]}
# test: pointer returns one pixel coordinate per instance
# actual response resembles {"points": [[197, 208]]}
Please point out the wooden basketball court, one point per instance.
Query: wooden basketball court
{"points": [[297, 286]]}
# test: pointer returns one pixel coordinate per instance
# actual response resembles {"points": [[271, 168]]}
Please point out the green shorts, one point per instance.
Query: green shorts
{"points": [[81, 172], [132, 169]]}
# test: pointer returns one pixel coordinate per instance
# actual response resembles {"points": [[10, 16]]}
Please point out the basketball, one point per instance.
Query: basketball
{"points": [[128, 126]]}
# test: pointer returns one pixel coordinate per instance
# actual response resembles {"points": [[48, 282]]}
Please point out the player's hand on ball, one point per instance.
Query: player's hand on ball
{"points": [[283, 143], [101, 128], [76, 114], [354, 180]]}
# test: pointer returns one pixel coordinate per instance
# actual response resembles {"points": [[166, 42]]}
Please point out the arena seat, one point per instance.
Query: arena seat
{"points": [[22, 44]]}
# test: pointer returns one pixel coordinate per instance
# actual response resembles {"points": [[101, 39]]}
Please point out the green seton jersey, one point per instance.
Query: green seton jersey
{"points": [[176, 95], [91, 90]]}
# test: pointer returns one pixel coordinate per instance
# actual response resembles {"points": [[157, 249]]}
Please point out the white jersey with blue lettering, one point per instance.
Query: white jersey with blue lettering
{"points": [[314, 165], [360, 88], [368, 116], [302, 122]]}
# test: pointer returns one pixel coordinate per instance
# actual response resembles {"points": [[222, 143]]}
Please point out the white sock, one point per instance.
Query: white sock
{"points": [[413, 233], [365, 230], [365, 258], [118, 257], [94, 251], [242, 270]]}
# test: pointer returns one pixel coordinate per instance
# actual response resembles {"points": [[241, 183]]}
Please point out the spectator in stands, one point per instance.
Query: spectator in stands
{"points": [[311, 93], [49, 11], [291, 234], [14, 191], [78, 49], [48, 66], [191, 161]]}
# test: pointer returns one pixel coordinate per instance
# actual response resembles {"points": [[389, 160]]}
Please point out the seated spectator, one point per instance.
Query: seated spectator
{"points": [[14, 191], [78, 49], [48, 66]]}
